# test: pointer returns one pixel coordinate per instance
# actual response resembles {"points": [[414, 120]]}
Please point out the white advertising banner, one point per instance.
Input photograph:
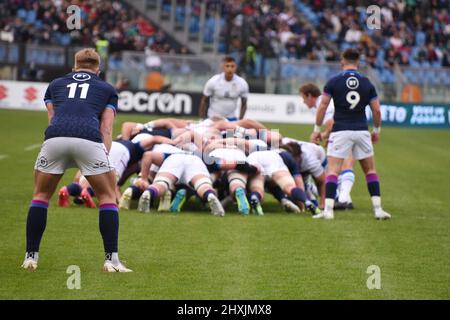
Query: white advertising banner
{"points": [[22, 95], [279, 109]]}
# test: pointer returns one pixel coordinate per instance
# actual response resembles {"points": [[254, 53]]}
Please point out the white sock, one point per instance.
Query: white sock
{"points": [[329, 204], [114, 258], [34, 255], [347, 179], [376, 202]]}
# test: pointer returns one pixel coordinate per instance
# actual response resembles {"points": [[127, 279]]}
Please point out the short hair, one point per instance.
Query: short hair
{"points": [[351, 55], [293, 148], [310, 89], [87, 58], [228, 59]]}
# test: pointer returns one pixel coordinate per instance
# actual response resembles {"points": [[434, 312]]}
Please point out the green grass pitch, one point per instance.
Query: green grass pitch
{"points": [[194, 255]]}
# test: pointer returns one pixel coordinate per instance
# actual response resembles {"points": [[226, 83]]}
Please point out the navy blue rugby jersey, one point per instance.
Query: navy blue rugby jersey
{"points": [[79, 99], [351, 93]]}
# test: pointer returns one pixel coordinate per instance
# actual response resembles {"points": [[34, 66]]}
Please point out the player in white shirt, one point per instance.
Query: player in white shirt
{"points": [[224, 91], [313, 162], [312, 97]]}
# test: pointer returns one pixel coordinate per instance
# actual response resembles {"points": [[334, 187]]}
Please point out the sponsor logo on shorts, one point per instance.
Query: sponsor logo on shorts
{"points": [[100, 164], [42, 162]]}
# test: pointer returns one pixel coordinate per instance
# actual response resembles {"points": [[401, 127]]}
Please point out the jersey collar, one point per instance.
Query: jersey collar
{"points": [[350, 70], [223, 76]]}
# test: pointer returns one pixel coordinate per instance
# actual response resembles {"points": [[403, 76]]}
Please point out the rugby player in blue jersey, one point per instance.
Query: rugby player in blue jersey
{"points": [[81, 109], [351, 93]]}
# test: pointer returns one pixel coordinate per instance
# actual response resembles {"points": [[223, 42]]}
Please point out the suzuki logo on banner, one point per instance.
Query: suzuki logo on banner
{"points": [[142, 101], [30, 94], [3, 92]]}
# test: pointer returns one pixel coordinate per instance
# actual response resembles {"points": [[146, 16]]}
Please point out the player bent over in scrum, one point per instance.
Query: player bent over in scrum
{"points": [[351, 93], [183, 168], [271, 165], [227, 151], [81, 109]]}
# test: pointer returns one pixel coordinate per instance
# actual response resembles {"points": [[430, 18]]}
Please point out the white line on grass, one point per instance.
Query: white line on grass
{"points": [[3, 156], [32, 147]]}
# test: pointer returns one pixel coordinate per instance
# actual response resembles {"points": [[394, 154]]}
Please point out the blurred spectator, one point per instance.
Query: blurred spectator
{"points": [[112, 22]]}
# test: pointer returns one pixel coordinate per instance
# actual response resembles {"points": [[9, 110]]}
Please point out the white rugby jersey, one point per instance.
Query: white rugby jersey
{"points": [[224, 95], [313, 156], [329, 114]]}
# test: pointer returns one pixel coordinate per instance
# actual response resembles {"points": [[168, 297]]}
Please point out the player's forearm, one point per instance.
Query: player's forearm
{"points": [[320, 115], [145, 165], [377, 119], [243, 109], [106, 131], [203, 107], [321, 186], [50, 112], [106, 127], [376, 113], [329, 126], [147, 144]]}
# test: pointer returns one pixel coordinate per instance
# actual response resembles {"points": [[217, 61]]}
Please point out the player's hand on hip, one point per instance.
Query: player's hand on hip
{"points": [[375, 137], [315, 137]]}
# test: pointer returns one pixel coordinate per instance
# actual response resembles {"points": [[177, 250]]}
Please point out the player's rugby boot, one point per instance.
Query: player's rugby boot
{"points": [[88, 201], [178, 201], [242, 202], [125, 199], [144, 202], [215, 205], [380, 214], [256, 206], [327, 215], [30, 262], [110, 267], [312, 208], [290, 206], [63, 197], [164, 201]]}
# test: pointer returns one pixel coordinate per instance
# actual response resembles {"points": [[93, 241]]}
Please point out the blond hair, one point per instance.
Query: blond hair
{"points": [[87, 59]]}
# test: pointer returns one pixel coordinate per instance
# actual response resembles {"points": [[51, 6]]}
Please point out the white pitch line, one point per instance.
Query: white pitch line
{"points": [[3, 156], [32, 147]]}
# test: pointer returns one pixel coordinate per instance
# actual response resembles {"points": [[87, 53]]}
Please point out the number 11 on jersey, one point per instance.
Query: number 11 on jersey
{"points": [[73, 88]]}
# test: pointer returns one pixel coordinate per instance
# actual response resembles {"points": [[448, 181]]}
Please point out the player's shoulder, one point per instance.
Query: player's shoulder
{"points": [[65, 78], [240, 80], [215, 77], [103, 85]]}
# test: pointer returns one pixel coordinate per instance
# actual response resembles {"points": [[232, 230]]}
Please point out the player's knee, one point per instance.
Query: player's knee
{"points": [[42, 196], [164, 183], [236, 180], [257, 185], [202, 184], [286, 183]]}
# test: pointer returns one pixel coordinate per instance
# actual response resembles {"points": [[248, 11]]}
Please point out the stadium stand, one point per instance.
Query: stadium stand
{"points": [[44, 22], [268, 38]]}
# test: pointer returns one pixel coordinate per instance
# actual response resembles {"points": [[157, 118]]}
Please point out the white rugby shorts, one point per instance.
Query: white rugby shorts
{"points": [[228, 154], [343, 143], [60, 153], [268, 161], [184, 167]]}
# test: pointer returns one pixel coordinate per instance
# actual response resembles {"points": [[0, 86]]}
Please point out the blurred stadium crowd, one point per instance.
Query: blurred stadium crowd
{"points": [[44, 22], [413, 32]]}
